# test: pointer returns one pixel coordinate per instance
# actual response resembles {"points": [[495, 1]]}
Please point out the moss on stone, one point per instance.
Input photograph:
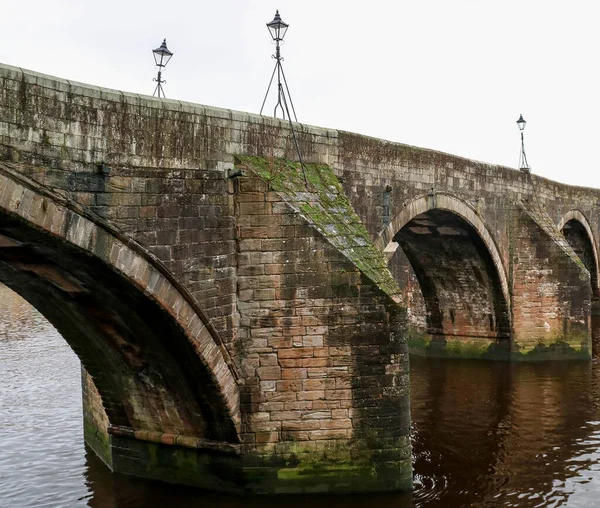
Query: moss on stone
{"points": [[321, 200], [97, 440], [418, 341], [311, 471], [468, 349], [560, 348], [576, 347]]}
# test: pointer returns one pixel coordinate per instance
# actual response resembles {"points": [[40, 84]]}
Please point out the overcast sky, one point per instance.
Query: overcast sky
{"points": [[451, 75]]}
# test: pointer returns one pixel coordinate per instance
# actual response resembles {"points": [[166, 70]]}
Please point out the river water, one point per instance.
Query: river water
{"points": [[484, 434]]}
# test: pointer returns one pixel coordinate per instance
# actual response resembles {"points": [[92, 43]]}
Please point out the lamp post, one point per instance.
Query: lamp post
{"points": [[162, 55], [277, 29], [523, 165]]}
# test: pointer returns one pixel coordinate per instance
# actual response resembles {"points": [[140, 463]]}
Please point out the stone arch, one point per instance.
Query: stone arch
{"points": [[455, 223], [580, 236], [156, 361]]}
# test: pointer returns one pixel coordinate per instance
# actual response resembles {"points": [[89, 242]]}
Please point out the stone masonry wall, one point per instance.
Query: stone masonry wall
{"points": [[162, 172], [372, 168], [157, 169], [383, 178], [551, 289], [324, 356], [95, 419]]}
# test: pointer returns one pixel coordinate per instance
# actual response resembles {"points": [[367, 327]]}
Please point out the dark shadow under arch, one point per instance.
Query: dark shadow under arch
{"points": [[459, 281], [147, 368], [577, 232]]}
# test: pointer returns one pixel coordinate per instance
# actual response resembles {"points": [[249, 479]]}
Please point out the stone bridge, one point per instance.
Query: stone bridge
{"points": [[244, 323]]}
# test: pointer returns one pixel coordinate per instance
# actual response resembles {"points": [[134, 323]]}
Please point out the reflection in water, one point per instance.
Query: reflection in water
{"points": [[503, 435], [484, 434], [118, 491], [595, 333]]}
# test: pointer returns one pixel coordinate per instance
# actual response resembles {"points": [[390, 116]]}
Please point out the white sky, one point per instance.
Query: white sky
{"points": [[451, 75]]}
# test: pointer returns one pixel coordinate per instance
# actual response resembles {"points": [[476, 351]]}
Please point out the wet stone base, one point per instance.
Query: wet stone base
{"points": [[95, 421], [252, 475], [97, 440], [576, 347]]}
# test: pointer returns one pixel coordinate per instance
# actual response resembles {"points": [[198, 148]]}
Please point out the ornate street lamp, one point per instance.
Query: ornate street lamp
{"points": [[277, 29], [162, 55], [523, 165]]}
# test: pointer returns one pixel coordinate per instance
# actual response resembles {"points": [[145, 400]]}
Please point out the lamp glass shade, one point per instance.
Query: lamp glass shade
{"points": [[162, 55], [277, 28], [521, 123]]}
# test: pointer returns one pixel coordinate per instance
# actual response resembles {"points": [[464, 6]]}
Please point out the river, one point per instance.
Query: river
{"points": [[484, 434]]}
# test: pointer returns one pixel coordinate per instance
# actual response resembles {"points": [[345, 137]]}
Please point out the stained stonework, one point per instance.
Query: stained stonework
{"points": [[95, 420], [575, 231], [551, 289], [155, 363], [242, 332], [319, 342], [464, 303], [322, 334]]}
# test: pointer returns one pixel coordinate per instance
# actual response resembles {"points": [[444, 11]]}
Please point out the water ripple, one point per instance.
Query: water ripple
{"points": [[41, 452], [484, 435]]}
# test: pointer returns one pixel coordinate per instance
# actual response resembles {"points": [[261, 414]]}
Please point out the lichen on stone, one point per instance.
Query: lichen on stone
{"points": [[314, 191]]}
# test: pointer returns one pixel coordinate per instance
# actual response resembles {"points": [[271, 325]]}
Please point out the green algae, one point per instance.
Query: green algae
{"points": [[97, 440], [324, 204], [418, 342], [574, 347], [310, 471]]}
